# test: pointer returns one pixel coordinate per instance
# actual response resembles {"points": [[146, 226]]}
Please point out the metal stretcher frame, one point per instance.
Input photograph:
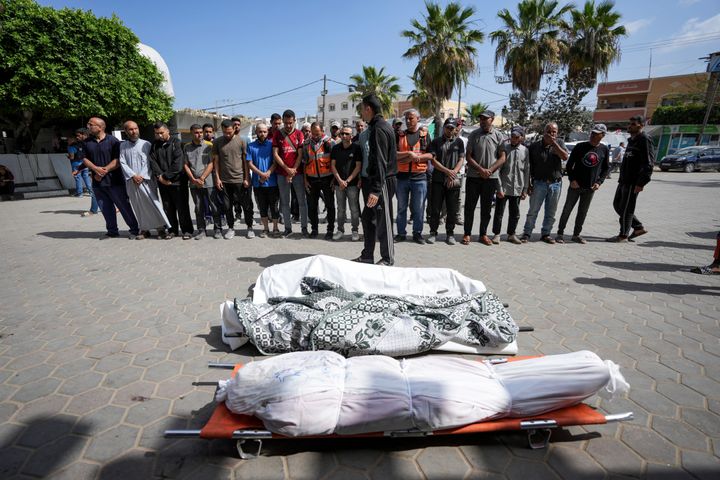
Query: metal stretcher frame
{"points": [[225, 424]]}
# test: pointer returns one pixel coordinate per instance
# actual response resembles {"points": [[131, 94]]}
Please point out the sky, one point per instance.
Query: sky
{"points": [[227, 52]]}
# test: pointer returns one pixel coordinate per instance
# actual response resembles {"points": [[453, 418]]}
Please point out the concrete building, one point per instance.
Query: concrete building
{"points": [[338, 107], [447, 110], [618, 101]]}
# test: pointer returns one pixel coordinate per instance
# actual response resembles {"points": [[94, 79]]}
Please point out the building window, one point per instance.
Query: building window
{"points": [[344, 106], [345, 120], [331, 107]]}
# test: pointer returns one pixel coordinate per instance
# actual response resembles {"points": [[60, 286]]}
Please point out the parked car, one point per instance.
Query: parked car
{"points": [[691, 159]]}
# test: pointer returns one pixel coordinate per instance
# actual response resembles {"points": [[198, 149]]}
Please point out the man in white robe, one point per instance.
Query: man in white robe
{"points": [[140, 184]]}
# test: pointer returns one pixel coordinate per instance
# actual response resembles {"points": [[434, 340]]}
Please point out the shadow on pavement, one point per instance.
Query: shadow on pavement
{"points": [[681, 183], [274, 259], [214, 339], [66, 212], [705, 235], [644, 267], [74, 235], [684, 246], [671, 288]]}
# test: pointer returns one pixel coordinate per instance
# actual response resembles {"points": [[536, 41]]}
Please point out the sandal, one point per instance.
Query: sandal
{"points": [[465, 240], [706, 270]]}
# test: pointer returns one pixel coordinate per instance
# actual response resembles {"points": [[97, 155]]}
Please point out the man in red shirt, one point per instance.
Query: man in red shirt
{"points": [[287, 145]]}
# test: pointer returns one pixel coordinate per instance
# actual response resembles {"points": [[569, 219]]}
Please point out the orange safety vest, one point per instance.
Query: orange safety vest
{"points": [[419, 147], [317, 161]]}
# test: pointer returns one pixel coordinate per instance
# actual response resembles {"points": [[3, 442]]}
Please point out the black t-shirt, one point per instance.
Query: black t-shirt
{"points": [[346, 159], [446, 152], [588, 165], [545, 164]]}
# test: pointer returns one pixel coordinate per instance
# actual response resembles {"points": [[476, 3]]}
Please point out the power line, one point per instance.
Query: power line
{"points": [[265, 97], [486, 90]]}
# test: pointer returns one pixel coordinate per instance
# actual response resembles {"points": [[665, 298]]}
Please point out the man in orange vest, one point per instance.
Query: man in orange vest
{"points": [[318, 178], [412, 161]]}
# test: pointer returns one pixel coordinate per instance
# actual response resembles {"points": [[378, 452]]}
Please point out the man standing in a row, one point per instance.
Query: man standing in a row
{"points": [[378, 184], [635, 172], [587, 168], [318, 178], [287, 146], [231, 178], [140, 183], [485, 156], [346, 159], [514, 180], [198, 168], [168, 162], [102, 153]]}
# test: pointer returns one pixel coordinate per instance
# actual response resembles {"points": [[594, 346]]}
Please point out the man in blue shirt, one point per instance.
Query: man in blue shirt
{"points": [[102, 153], [264, 180]]}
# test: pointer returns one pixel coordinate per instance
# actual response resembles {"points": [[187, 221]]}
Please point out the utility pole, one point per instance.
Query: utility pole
{"points": [[323, 93], [459, 113], [650, 66]]}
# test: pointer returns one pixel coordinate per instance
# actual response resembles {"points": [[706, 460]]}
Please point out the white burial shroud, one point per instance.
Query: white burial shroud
{"points": [[321, 392], [283, 280]]}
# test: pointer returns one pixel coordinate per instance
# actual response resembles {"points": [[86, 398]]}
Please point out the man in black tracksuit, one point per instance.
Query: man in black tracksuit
{"points": [[378, 184], [587, 167], [635, 172], [167, 161]]}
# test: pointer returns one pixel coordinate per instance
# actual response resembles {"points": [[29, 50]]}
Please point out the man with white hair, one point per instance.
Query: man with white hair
{"points": [[140, 184]]}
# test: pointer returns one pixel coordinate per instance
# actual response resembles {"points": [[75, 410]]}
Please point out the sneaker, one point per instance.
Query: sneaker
{"points": [[637, 232], [199, 235], [496, 239], [140, 236], [548, 239], [355, 236], [186, 236], [329, 236], [418, 238], [229, 233], [313, 234], [400, 238], [109, 235], [87, 194], [514, 239], [218, 235], [617, 239], [78, 195], [168, 236], [384, 263], [579, 239], [263, 234], [559, 239], [338, 235], [132, 236], [450, 240], [250, 233], [87, 214], [287, 234], [305, 233], [524, 238], [431, 239], [363, 260]]}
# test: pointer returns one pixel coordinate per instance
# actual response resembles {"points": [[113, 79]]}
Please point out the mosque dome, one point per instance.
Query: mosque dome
{"points": [[153, 55]]}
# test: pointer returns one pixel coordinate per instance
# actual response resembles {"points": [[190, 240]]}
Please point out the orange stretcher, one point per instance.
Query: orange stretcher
{"points": [[232, 426]]}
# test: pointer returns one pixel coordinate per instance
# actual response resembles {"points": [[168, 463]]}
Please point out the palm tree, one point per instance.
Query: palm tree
{"points": [[593, 40], [422, 99], [474, 110], [444, 44], [375, 81], [530, 45]]}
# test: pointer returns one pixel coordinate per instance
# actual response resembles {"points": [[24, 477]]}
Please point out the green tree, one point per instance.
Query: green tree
{"points": [[422, 99], [68, 63], [530, 44], [593, 40], [445, 45], [474, 110], [375, 81]]}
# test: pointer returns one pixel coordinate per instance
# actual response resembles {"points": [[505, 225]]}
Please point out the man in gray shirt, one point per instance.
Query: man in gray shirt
{"points": [[514, 180], [485, 156], [198, 168]]}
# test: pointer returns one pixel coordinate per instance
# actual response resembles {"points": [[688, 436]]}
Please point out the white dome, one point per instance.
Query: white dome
{"points": [[153, 55]]}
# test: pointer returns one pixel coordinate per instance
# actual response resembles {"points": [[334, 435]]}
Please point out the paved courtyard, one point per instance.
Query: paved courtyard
{"points": [[100, 343]]}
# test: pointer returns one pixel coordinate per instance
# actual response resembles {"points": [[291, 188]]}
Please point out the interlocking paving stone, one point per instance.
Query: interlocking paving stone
{"points": [[12, 460], [680, 394], [525, 469], [574, 463], [147, 411], [680, 434], [111, 443], [99, 420], [36, 389], [55, 456], [706, 422], [211, 472], [701, 465], [443, 462], [44, 430], [77, 471], [392, 466], [651, 446], [310, 465], [615, 457]]}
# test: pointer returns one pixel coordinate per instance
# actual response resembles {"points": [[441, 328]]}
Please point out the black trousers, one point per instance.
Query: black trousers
{"points": [[175, 201], [377, 222], [585, 196], [442, 195], [513, 204], [624, 204], [483, 189], [236, 199], [202, 198], [267, 199], [321, 188]]}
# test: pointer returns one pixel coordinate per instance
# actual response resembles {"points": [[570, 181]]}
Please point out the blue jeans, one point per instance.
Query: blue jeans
{"points": [[549, 193], [82, 179], [414, 193]]}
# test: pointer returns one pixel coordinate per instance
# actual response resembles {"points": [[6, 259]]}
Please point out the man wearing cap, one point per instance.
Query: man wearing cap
{"points": [[587, 168], [397, 125], [412, 162], [546, 156], [635, 172], [485, 156], [514, 180], [448, 157], [335, 133]]}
